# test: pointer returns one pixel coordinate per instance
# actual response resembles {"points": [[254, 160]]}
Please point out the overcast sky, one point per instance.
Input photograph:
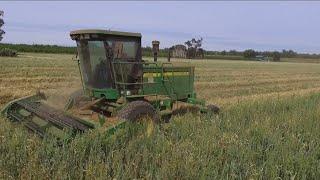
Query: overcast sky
{"points": [[223, 25]]}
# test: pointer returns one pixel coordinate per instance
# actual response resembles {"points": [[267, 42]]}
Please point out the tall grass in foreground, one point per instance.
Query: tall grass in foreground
{"points": [[269, 139]]}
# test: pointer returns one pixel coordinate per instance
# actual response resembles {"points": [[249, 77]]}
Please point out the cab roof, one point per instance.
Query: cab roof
{"points": [[104, 32]]}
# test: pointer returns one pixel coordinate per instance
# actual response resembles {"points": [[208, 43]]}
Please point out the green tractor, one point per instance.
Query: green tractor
{"points": [[117, 87]]}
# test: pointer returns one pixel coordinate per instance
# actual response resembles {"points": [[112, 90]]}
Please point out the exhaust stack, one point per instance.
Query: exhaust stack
{"points": [[155, 49]]}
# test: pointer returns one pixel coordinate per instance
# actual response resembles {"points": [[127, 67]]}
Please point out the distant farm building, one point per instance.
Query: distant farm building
{"points": [[262, 58], [179, 51]]}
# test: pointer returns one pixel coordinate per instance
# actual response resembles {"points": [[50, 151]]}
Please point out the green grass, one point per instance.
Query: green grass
{"points": [[267, 139], [301, 60], [268, 127]]}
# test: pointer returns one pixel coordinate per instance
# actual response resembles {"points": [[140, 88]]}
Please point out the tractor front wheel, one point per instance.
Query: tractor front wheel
{"points": [[137, 110]]}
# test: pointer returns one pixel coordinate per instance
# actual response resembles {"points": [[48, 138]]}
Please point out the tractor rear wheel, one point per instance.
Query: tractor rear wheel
{"points": [[137, 110], [213, 109]]}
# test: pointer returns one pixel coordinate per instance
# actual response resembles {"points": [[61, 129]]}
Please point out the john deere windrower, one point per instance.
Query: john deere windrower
{"points": [[117, 87]]}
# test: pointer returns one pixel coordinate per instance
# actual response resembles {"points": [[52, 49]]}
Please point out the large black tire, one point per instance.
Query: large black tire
{"points": [[213, 109], [137, 110]]}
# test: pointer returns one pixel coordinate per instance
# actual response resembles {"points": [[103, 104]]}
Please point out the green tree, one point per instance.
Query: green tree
{"points": [[194, 46], [233, 52], [249, 53], [289, 53], [276, 56], [1, 24]]}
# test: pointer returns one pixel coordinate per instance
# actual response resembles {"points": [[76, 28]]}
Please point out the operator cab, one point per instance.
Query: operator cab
{"points": [[98, 50]]}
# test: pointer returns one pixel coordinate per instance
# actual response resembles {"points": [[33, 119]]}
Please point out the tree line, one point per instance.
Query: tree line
{"points": [[250, 53], [147, 51], [39, 48]]}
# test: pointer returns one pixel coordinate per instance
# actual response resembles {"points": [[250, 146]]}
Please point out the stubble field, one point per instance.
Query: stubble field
{"points": [[268, 127]]}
